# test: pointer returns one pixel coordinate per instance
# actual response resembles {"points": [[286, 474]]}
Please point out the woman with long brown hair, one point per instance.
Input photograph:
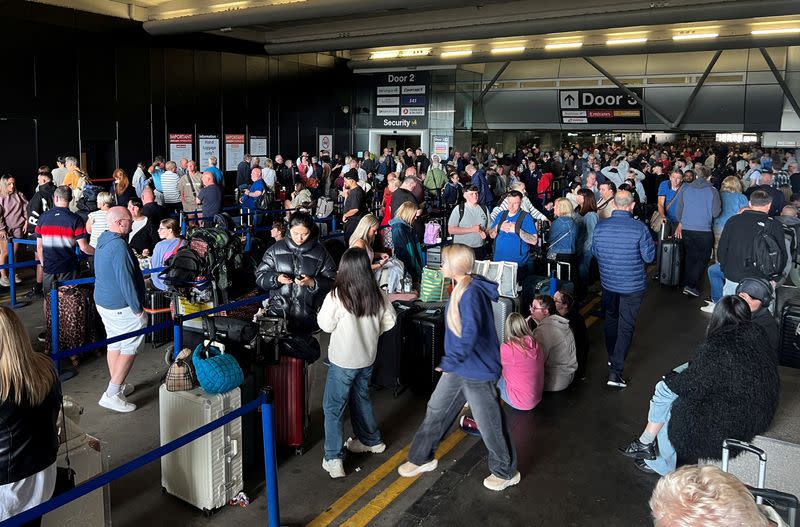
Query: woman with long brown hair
{"points": [[470, 370], [13, 219], [121, 188], [30, 398]]}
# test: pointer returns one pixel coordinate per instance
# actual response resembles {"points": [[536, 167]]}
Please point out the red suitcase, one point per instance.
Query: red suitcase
{"points": [[288, 382]]}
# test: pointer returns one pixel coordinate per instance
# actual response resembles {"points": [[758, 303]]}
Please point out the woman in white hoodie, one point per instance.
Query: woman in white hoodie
{"points": [[355, 313]]}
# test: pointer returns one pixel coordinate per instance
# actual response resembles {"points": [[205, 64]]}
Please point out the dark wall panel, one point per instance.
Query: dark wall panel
{"points": [[18, 136]]}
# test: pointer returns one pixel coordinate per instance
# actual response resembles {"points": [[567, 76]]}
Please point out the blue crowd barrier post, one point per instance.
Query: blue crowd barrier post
{"points": [[54, 323], [183, 224], [177, 333], [270, 460], [12, 274], [333, 223]]}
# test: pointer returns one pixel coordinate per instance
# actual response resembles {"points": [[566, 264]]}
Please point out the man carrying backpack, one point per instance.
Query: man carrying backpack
{"points": [[469, 222], [752, 245], [513, 233]]}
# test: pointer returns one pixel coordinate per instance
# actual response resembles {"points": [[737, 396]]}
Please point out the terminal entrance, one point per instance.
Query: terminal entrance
{"points": [[400, 142]]}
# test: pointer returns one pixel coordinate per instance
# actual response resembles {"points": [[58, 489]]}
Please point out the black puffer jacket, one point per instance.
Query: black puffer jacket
{"points": [[729, 390], [310, 259], [28, 437]]}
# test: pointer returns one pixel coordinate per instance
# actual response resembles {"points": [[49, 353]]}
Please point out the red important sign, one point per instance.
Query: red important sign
{"points": [[234, 138], [177, 139]]}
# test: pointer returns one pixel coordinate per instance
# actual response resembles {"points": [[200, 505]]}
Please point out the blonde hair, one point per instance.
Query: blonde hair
{"points": [[460, 259], [704, 496], [518, 332], [563, 207], [25, 376], [731, 184], [105, 198], [361, 231], [407, 212]]}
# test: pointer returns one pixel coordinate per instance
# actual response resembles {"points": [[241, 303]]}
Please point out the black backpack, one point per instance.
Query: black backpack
{"points": [[767, 253], [184, 271]]}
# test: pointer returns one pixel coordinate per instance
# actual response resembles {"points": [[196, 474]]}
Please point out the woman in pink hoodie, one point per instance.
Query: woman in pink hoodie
{"points": [[12, 222]]}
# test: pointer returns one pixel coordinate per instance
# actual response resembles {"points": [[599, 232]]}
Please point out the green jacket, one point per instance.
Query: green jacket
{"points": [[435, 179]]}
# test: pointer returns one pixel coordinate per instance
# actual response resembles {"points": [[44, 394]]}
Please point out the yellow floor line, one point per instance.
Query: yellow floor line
{"points": [[588, 307], [400, 485], [590, 321], [352, 495]]}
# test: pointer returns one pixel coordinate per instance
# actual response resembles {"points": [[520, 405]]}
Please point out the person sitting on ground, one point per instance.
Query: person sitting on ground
{"points": [[30, 398], [568, 308], [144, 233], [522, 380], [301, 197], [405, 242], [97, 223], [729, 389], [119, 296], [169, 231], [527, 205], [757, 292], [470, 369], [706, 496], [563, 235], [355, 312], [555, 338]]}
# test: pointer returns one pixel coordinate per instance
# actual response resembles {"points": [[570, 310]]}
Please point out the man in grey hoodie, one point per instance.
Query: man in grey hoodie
{"points": [[119, 296], [697, 206]]}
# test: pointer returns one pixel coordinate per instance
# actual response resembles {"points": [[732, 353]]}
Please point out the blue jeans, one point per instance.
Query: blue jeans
{"points": [[501, 388], [621, 310], [584, 264], [717, 281], [345, 387], [660, 410], [444, 406]]}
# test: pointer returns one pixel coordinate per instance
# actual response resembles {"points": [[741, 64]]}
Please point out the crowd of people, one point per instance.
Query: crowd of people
{"points": [[599, 210]]}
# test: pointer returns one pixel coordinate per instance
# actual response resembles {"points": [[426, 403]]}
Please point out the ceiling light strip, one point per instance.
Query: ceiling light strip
{"points": [[623, 41], [457, 53], [564, 45], [783, 31], [511, 49], [695, 36]]}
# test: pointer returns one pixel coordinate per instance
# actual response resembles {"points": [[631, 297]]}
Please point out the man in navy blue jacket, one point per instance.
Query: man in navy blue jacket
{"points": [[119, 296], [479, 180], [622, 246]]}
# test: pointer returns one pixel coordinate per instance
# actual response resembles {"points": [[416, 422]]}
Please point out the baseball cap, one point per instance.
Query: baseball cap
{"points": [[756, 288]]}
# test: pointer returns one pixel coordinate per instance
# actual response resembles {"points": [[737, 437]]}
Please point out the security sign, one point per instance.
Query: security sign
{"points": [[602, 106]]}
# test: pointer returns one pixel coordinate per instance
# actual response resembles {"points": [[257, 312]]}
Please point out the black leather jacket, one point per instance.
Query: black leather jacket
{"points": [[28, 437], [310, 259]]}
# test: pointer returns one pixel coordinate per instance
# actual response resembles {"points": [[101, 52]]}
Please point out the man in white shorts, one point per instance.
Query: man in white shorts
{"points": [[119, 295]]}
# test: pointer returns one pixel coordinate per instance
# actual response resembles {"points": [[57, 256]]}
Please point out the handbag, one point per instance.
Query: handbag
{"points": [[216, 372], [504, 274], [180, 375], [65, 476], [656, 220], [434, 286]]}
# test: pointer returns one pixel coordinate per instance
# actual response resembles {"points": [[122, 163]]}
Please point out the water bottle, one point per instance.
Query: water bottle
{"points": [[553, 285]]}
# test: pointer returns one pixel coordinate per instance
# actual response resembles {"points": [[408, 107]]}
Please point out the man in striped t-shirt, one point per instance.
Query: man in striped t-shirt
{"points": [[58, 231], [169, 185]]}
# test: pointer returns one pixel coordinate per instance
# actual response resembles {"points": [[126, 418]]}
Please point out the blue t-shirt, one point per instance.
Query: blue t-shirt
{"points": [[665, 189], [257, 186], [508, 246]]}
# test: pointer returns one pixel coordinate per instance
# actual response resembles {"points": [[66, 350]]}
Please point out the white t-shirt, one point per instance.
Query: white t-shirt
{"points": [[136, 227], [27, 493]]}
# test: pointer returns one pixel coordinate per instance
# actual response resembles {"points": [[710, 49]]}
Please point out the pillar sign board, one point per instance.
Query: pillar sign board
{"points": [[209, 146], [234, 150], [602, 106], [180, 146], [401, 100], [326, 143]]}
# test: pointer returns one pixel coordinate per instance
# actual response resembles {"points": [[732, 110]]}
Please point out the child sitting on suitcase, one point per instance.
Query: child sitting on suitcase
{"points": [[355, 313]]}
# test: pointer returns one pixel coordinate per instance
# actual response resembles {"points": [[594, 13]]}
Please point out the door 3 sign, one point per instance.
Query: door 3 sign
{"points": [[603, 106]]}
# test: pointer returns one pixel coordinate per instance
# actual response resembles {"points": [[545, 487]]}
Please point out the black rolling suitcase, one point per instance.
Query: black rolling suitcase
{"points": [[157, 306], [669, 260], [789, 349], [423, 350], [388, 361]]}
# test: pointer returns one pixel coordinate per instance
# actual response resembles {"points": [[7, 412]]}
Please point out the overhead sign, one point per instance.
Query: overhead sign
{"points": [[602, 106], [400, 100], [180, 146]]}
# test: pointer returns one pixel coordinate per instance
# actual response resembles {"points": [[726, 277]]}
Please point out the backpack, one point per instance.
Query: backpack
{"points": [[433, 233], [265, 200], [324, 207], [767, 254], [484, 207], [223, 220], [186, 273], [221, 251], [517, 224]]}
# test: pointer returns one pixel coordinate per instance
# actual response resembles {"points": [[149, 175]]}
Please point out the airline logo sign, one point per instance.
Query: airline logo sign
{"points": [[602, 106], [400, 100]]}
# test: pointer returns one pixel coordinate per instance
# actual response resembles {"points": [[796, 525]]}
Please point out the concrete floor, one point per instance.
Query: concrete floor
{"points": [[571, 472]]}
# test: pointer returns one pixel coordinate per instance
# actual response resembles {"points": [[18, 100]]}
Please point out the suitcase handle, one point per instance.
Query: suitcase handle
{"points": [[727, 444]]}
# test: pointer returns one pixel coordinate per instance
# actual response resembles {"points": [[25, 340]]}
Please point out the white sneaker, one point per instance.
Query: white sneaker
{"points": [[127, 389], [357, 447], [116, 403], [17, 279], [409, 469], [709, 307], [4, 281], [334, 467], [495, 483]]}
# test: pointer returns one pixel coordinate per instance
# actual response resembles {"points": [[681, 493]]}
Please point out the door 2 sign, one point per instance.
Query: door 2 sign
{"points": [[602, 106]]}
